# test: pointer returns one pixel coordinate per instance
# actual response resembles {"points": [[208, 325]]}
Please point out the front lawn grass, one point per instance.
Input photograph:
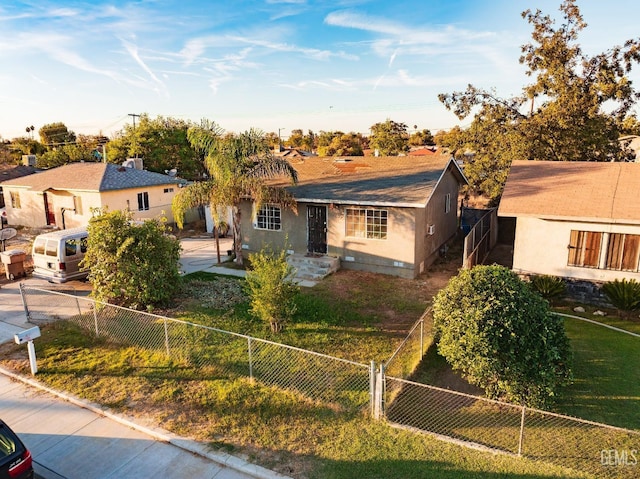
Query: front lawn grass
{"points": [[606, 369], [278, 429], [359, 320]]}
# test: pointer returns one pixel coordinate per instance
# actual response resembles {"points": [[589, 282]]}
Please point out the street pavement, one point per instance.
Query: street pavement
{"points": [[72, 438]]}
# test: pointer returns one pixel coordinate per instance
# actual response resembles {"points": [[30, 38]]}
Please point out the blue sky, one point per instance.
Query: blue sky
{"points": [[275, 64]]}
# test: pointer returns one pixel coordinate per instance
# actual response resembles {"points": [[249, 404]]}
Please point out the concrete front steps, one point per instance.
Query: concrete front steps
{"points": [[310, 268]]}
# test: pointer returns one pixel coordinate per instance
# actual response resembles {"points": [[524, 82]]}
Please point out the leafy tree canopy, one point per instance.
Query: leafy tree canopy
{"points": [[389, 138], [501, 335], [574, 111], [55, 134], [422, 138], [162, 143], [343, 144]]}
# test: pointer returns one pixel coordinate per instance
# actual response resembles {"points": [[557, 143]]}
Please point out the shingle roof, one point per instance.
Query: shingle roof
{"points": [[92, 177], [368, 180], [9, 172], [581, 191]]}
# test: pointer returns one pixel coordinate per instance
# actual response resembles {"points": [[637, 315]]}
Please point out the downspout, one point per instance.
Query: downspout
{"points": [[64, 210]]}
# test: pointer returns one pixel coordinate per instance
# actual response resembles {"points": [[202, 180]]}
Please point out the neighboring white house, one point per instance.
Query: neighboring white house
{"points": [[577, 220], [64, 196]]}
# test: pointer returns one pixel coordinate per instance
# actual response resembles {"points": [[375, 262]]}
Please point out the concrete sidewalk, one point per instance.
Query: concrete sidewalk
{"points": [[70, 438]]}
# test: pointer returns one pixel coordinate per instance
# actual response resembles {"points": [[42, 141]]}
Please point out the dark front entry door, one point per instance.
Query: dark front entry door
{"points": [[49, 211], [317, 226]]}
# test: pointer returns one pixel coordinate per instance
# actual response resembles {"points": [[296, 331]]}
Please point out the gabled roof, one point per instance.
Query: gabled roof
{"points": [[576, 190], [9, 172], [368, 180], [92, 177]]}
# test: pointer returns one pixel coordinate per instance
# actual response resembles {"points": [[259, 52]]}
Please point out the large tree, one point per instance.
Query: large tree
{"points": [[343, 144], [389, 138], [239, 165], [56, 134], [162, 143], [572, 112], [421, 138]]}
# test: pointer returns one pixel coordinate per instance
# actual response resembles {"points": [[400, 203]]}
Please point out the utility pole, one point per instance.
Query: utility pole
{"points": [[134, 116], [134, 119]]}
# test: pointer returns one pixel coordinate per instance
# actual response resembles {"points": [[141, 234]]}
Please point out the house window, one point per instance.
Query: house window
{"points": [[15, 199], [623, 251], [366, 223], [143, 201], [168, 190], [268, 218], [77, 204], [584, 248], [447, 202]]}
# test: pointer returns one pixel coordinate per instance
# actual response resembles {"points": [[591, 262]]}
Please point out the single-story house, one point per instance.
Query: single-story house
{"points": [[576, 220], [65, 196], [388, 215]]}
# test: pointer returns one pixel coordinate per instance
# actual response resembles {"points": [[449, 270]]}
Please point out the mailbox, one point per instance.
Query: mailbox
{"points": [[27, 335]]}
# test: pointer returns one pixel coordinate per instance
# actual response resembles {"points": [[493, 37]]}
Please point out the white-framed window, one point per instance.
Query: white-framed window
{"points": [[168, 190], [447, 202], [143, 201], [366, 223], [269, 217], [15, 199]]}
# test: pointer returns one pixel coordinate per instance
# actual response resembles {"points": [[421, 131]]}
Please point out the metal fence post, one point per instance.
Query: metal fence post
{"points": [[166, 337], [24, 302], [421, 339], [521, 441], [372, 388], [250, 361], [95, 317], [378, 402]]}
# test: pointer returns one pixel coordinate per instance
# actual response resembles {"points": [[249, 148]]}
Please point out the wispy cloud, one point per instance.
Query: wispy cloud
{"points": [[133, 52]]}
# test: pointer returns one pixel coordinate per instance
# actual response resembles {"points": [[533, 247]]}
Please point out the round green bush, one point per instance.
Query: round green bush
{"points": [[501, 335]]}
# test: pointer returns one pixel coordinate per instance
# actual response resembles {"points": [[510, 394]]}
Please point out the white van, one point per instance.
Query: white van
{"points": [[56, 255]]}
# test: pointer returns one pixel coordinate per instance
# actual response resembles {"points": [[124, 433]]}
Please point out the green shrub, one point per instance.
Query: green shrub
{"points": [[549, 287], [270, 287], [134, 265], [501, 335], [623, 294]]}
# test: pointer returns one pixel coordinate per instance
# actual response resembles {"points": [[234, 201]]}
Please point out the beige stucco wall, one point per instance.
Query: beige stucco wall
{"points": [[541, 247], [32, 210], [159, 201], [445, 223], [395, 255]]}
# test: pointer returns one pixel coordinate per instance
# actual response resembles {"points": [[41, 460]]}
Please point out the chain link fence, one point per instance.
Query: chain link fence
{"points": [[598, 449], [407, 356], [320, 377]]}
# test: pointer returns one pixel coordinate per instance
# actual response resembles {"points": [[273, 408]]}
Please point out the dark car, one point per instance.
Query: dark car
{"points": [[15, 458]]}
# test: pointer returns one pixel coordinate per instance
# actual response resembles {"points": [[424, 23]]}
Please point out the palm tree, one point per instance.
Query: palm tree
{"points": [[239, 165]]}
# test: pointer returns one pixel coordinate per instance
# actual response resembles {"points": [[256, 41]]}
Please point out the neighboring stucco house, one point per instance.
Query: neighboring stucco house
{"points": [[10, 172], [382, 214], [64, 196], [576, 220]]}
